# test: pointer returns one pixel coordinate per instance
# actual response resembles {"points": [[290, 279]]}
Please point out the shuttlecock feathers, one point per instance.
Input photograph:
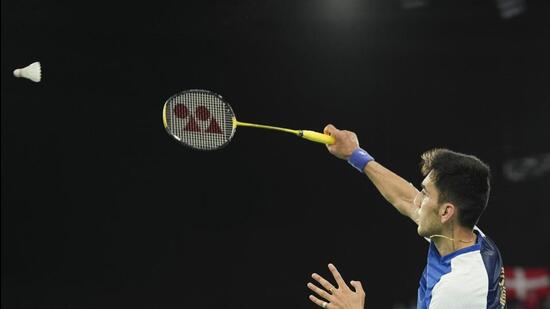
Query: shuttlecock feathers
{"points": [[33, 72]]}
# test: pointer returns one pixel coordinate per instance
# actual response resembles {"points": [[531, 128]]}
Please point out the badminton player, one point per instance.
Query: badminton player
{"points": [[463, 266]]}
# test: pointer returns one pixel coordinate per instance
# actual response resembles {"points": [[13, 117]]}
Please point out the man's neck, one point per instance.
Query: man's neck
{"points": [[458, 238]]}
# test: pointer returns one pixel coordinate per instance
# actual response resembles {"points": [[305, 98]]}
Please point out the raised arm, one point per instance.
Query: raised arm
{"points": [[396, 190]]}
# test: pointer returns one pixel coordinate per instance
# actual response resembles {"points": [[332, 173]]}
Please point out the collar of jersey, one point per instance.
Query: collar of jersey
{"points": [[450, 256]]}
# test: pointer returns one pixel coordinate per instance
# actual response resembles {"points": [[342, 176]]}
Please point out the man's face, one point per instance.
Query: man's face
{"points": [[429, 221]]}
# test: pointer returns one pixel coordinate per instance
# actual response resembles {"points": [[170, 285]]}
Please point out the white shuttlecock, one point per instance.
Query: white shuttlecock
{"points": [[32, 72]]}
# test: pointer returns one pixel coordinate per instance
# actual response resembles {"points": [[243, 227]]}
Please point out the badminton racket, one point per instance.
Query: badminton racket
{"points": [[203, 120]]}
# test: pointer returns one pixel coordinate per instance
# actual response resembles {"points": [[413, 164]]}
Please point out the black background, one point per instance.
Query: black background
{"points": [[102, 209]]}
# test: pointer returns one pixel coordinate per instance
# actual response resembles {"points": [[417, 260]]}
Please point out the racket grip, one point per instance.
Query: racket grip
{"points": [[316, 137]]}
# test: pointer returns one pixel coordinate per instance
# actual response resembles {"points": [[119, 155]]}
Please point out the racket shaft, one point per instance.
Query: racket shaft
{"points": [[261, 126], [306, 134]]}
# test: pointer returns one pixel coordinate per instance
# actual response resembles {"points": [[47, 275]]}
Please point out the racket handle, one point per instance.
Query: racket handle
{"points": [[316, 137]]}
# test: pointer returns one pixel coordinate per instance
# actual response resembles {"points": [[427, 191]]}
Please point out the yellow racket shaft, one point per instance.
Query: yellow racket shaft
{"points": [[306, 134]]}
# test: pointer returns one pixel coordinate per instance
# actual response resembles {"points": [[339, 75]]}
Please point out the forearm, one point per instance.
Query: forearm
{"points": [[396, 190], [393, 188]]}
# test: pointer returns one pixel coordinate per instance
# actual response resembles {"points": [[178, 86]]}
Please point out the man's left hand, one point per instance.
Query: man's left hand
{"points": [[341, 297]]}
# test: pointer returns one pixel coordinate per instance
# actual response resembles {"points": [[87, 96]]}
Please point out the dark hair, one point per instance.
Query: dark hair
{"points": [[461, 179]]}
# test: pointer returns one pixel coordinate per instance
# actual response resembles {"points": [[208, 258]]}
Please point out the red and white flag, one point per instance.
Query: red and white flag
{"points": [[527, 285]]}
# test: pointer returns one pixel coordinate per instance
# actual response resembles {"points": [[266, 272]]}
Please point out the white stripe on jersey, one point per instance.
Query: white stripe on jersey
{"points": [[465, 286]]}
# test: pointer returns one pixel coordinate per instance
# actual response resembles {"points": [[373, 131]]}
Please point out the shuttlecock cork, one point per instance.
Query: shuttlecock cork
{"points": [[33, 72]]}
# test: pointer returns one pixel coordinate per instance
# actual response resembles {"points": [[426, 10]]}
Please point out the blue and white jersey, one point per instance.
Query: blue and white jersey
{"points": [[472, 278]]}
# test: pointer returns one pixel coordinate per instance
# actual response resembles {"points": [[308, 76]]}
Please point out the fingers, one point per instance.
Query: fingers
{"points": [[319, 291], [329, 129], [358, 287], [337, 276], [319, 302], [327, 285]]}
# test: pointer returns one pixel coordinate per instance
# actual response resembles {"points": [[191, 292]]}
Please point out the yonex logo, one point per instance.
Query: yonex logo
{"points": [[200, 121]]}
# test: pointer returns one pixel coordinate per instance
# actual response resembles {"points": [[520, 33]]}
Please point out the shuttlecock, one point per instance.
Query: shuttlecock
{"points": [[32, 72]]}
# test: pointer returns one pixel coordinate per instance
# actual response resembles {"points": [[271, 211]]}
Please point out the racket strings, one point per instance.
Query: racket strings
{"points": [[200, 119]]}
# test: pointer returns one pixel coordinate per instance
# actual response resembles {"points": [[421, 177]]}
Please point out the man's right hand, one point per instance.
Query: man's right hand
{"points": [[345, 142]]}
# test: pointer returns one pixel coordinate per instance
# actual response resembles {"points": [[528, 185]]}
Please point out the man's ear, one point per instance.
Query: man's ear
{"points": [[447, 212]]}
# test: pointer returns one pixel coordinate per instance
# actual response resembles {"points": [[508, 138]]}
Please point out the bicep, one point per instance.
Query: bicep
{"points": [[408, 209], [408, 203]]}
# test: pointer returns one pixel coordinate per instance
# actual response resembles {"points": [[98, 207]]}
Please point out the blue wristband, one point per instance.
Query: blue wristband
{"points": [[359, 158]]}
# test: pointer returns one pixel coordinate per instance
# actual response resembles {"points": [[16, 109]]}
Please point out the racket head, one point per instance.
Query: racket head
{"points": [[199, 119]]}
